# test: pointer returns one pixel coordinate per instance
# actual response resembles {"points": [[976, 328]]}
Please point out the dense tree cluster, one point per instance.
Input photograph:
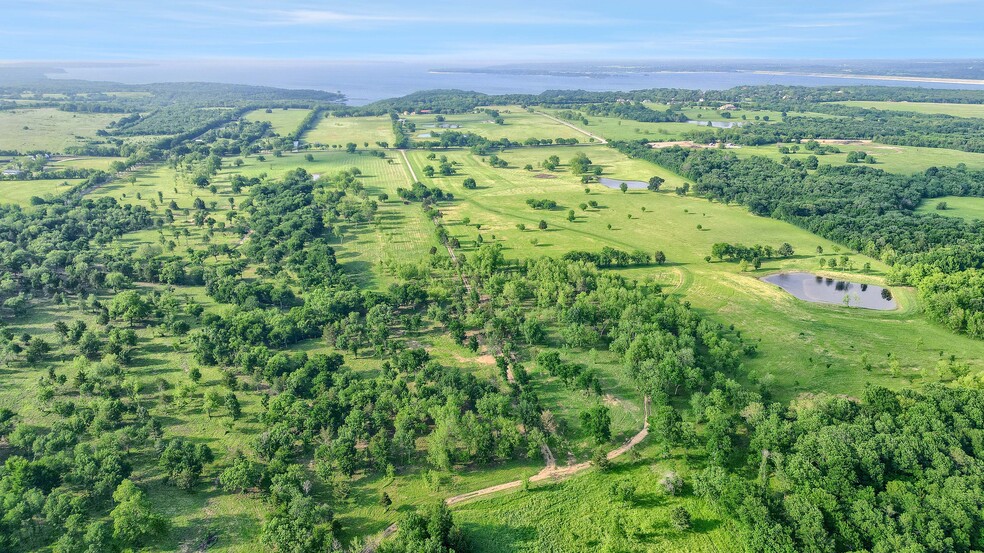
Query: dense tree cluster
{"points": [[896, 471]]}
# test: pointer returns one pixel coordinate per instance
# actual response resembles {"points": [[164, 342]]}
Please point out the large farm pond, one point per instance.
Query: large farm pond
{"points": [[818, 289], [617, 183]]}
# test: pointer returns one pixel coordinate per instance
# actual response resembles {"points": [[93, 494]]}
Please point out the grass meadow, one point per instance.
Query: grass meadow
{"points": [[20, 191], [803, 348], [894, 159], [49, 129], [339, 131], [284, 121], [956, 110], [518, 125], [956, 206]]}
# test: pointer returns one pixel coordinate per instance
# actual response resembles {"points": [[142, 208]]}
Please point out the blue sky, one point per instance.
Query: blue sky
{"points": [[500, 30]]}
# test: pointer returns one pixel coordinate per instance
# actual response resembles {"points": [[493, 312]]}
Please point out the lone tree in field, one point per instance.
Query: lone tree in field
{"points": [[785, 250], [470, 184], [623, 187], [543, 225], [660, 257], [655, 183], [680, 518]]}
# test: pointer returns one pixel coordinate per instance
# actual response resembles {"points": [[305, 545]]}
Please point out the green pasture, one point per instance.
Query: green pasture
{"points": [[518, 125], [613, 128], [21, 191], [339, 131], [956, 110], [968, 208], [803, 347], [894, 159], [284, 121], [101, 163], [49, 129]]}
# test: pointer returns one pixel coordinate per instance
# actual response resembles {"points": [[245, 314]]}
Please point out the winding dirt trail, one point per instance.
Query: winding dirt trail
{"points": [[555, 473], [576, 128]]}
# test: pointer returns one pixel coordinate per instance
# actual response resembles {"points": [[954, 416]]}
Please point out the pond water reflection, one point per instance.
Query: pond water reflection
{"points": [[818, 289]]}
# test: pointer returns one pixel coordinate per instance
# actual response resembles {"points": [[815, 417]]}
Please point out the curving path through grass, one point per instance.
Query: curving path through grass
{"points": [[553, 472]]}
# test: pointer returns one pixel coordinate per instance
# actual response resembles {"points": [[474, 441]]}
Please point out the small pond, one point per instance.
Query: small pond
{"points": [[818, 289], [617, 183], [716, 124]]}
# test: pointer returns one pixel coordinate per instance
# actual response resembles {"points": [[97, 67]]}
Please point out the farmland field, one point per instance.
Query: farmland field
{"points": [[891, 158], [518, 125], [232, 345], [284, 121], [21, 191], [956, 110], [968, 208], [802, 351], [338, 131], [49, 129]]}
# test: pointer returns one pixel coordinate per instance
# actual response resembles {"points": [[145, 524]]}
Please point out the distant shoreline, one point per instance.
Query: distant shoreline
{"points": [[946, 80]]}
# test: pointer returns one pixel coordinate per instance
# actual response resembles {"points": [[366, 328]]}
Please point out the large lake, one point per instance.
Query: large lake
{"points": [[818, 289], [364, 82]]}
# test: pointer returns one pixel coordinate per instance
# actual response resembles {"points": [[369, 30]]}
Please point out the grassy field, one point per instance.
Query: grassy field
{"points": [[284, 121], [579, 514], [342, 130], [613, 128], [49, 129], [956, 206], [21, 191], [518, 125], [101, 163], [894, 159], [956, 110], [803, 346]]}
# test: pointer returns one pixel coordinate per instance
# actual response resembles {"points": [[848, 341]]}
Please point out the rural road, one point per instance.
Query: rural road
{"points": [[553, 472], [578, 129], [406, 161]]}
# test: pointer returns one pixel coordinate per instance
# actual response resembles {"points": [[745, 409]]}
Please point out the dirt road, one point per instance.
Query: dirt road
{"points": [[578, 129], [553, 472]]}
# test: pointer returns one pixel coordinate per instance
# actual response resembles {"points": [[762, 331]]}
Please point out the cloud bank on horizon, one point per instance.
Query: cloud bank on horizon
{"points": [[500, 31]]}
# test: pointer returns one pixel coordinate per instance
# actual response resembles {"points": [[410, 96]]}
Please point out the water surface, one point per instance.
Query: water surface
{"points": [[818, 289], [617, 183]]}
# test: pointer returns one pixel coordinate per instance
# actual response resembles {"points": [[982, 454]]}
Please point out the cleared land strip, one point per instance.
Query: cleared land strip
{"points": [[406, 162], [578, 129], [558, 473]]}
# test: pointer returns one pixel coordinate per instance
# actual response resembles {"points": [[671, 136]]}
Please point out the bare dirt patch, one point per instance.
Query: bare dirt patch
{"points": [[486, 359], [841, 142], [544, 176]]}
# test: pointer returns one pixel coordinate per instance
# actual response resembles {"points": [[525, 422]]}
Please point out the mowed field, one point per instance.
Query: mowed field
{"points": [[339, 131], [518, 125], [956, 206], [894, 159], [20, 191], [614, 128], [49, 129], [804, 347], [956, 110], [284, 121]]}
